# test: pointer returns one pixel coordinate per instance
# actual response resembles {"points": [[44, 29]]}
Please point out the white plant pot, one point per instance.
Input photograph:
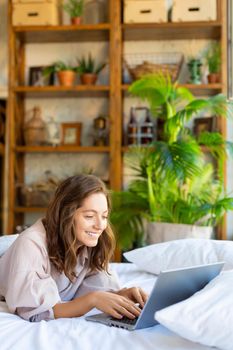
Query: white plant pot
{"points": [[158, 232]]}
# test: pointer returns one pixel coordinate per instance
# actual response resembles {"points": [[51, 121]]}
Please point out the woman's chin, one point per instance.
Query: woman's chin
{"points": [[91, 243]]}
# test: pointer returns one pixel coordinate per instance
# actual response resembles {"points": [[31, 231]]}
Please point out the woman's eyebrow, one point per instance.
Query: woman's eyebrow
{"points": [[94, 211]]}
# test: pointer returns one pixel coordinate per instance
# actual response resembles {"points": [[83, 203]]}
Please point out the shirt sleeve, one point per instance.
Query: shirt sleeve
{"points": [[31, 292], [98, 280]]}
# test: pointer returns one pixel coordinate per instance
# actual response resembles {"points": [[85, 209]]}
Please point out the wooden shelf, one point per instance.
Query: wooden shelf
{"points": [[199, 90], [63, 91], [168, 31], [61, 34], [125, 149], [62, 149]]}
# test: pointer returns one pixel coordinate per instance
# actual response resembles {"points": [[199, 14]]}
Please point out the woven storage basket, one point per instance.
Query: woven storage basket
{"points": [[141, 64], [29, 197]]}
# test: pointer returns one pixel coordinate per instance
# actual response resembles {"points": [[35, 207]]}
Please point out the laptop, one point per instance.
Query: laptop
{"points": [[171, 286]]}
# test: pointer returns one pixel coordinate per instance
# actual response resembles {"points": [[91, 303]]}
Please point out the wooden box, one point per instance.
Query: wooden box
{"points": [[40, 12], [145, 11], [34, 198], [194, 10]]}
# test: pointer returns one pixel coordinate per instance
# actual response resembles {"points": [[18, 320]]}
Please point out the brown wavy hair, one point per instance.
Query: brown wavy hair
{"points": [[62, 242]]}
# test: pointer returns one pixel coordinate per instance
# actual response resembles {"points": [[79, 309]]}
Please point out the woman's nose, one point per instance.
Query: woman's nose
{"points": [[100, 223]]}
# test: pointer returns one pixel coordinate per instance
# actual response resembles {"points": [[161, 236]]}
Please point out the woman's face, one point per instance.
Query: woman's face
{"points": [[91, 219]]}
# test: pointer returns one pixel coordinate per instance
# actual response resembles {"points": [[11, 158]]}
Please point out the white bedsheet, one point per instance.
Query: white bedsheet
{"points": [[78, 334]]}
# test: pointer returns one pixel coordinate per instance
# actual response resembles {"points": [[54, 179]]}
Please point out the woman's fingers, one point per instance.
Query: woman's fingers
{"points": [[143, 295], [128, 309], [138, 295]]}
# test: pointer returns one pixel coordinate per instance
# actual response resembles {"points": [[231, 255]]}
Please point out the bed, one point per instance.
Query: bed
{"points": [[77, 334], [203, 321]]}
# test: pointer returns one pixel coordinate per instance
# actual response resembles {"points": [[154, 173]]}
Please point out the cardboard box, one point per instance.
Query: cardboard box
{"points": [[194, 10], [38, 12], [145, 11]]}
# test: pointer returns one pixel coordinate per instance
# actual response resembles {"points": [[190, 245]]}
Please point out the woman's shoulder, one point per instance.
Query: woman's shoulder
{"points": [[34, 233], [28, 250], [31, 241]]}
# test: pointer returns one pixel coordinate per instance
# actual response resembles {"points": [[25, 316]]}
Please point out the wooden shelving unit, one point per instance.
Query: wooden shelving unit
{"points": [[60, 34], [199, 90], [172, 31], [115, 33], [3, 117], [62, 149]]}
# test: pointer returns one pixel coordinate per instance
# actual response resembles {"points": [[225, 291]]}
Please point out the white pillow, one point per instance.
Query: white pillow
{"points": [[5, 242], [181, 253], [206, 317]]}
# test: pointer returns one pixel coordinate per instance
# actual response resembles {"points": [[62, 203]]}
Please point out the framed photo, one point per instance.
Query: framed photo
{"points": [[203, 124], [36, 77], [71, 133]]}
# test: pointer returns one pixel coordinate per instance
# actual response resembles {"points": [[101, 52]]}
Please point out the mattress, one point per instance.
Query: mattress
{"points": [[78, 334]]}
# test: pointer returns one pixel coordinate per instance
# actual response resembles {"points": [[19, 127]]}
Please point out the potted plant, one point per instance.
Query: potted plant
{"points": [[75, 9], [66, 73], [213, 60], [174, 184], [89, 70]]}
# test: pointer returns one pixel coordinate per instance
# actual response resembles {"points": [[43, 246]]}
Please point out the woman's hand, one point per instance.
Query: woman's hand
{"points": [[115, 304], [135, 294]]}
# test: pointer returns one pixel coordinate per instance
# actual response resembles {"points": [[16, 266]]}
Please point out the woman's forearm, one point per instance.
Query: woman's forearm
{"points": [[76, 307]]}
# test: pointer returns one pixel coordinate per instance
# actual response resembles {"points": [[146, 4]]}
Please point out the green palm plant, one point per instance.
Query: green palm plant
{"points": [[174, 183], [213, 57]]}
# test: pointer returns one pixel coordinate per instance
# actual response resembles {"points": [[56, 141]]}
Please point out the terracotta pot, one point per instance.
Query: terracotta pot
{"points": [[76, 20], [66, 77], [88, 78], [213, 78]]}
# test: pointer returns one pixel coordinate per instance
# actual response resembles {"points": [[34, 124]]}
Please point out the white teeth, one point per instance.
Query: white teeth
{"points": [[91, 234]]}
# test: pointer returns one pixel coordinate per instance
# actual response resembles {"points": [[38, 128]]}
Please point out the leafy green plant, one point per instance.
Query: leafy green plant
{"points": [[74, 8], [213, 57], [88, 65], [174, 183], [57, 67]]}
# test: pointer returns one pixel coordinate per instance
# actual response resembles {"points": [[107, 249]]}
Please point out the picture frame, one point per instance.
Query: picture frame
{"points": [[71, 134], [36, 77], [203, 124]]}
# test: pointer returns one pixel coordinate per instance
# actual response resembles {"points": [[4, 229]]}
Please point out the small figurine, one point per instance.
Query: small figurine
{"points": [[53, 132], [100, 131]]}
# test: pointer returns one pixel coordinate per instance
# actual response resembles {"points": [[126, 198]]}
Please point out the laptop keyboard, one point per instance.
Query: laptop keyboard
{"points": [[125, 320]]}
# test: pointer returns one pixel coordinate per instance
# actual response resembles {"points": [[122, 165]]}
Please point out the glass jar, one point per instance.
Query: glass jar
{"points": [[35, 128], [94, 12]]}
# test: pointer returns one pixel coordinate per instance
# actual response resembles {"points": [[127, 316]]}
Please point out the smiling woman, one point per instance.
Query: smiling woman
{"points": [[59, 266]]}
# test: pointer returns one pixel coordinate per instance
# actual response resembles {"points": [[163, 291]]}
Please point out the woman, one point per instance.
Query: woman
{"points": [[59, 266]]}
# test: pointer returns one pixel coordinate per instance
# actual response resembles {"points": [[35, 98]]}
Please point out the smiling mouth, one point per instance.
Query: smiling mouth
{"points": [[92, 234]]}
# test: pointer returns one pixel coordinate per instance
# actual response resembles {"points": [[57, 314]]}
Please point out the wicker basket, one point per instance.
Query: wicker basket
{"points": [[141, 64], [30, 197]]}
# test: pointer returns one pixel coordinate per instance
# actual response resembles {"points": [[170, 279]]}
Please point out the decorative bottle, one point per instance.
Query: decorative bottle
{"points": [[35, 128], [147, 130], [132, 128]]}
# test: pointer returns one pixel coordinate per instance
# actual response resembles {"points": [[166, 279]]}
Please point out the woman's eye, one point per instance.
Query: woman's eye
{"points": [[105, 217], [88, 216]]}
